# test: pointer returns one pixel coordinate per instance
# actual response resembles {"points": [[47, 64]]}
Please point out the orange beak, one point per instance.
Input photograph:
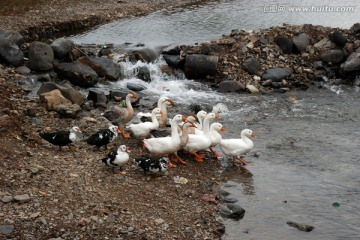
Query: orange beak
{"points": [[217, 116], [184, 119], [161, 112], [119, 130], [222, 129], [253, 135]]}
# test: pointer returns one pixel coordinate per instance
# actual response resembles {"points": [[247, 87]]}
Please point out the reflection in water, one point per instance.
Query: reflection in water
{"points": [[240, 175]]}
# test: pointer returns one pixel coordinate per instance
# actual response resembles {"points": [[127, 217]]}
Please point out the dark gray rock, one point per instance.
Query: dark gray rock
{"points": [[318, 65], [10, 52], [301, 226], [103, 66], [14, 37], [69, 111], [23, 70], [231, 86], [285, 44], [135, 87], [251, 65], [66, 90], [62, 47], [195, 107], [301, 41], [352, 63], [77, 73], [276, 74], [199, 66], [22, 198], [228, 199], [143, 73], [266, 83], [41, 56], [233, 211], [338, 38], [172, 50], [355, 28], [98, 97], [104, 51], [6, 229], [174, 61], [334, 56], [142, 54]]}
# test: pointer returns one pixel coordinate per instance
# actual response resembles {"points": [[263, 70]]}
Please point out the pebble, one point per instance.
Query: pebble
{"points": [[6, 229], [301, 226], [7, 199], [43, 220], [34, 215], [22, 198], [159, 221]]}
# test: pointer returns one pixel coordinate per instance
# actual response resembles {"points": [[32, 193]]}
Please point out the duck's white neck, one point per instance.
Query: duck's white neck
{"points": [[128, 104], [206, 126], [174, 131], [154, 118], [247, 140]]}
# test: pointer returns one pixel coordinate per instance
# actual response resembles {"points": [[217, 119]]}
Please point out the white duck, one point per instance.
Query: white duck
{"points": [[198, 142], [166, 145], [184, 137], [238, 147], [215, 137], [142, 130], [163, 103], [199, 127]]}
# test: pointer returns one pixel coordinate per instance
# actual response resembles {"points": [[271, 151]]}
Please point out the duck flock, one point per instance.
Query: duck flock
{"points": [[192, 134]]}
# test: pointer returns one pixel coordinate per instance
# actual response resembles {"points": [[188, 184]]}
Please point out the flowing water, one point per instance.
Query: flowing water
{"points": [[306, 154]]}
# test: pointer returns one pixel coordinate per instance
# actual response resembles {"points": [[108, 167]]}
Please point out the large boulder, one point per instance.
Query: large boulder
{"points": [[174, 61], [276, 74], [142, 54], [285, 44], [143, 73], [98, 97], [199, 66], [338, 38], [53, 99], [231, 86], [77, 73], [333, 56], [14, 37], [301, 41], [10, 52], [62, 47], [66, 90], [41, 56], [103, 66], [251, 65], [352, 63]]}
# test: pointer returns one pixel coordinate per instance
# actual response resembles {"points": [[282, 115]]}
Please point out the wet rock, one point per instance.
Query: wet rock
{"points": [[104, 67], [251, 65], [144, 74], [104, 51], [6, 229], [334, 56], [174, 61], [231, 86], [77, 73], [301, 41], [276, 74], [7, 199], [352, 63], [62, 47], [227, 199], [199, 66], [142, 54], [338, 38], [68, 110], [10, 52], [233, 211], [285, 44], [66, 90], [53, 99], [301, 226], [135, 87], [22, 198], [98, 97], [41, 56]]}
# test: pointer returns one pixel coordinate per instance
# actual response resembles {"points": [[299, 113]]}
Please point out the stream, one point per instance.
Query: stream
{"points": [[306, 154]]}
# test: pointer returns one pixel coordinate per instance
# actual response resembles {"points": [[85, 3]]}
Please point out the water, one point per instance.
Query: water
{"points": [[307, 151], [217, 18]]}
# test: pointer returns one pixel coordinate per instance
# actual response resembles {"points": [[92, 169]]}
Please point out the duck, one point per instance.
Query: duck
{"points": [[61, 138], [184, 136], [163, 103], [215, 137], [200, 116], [198, 142], [238, 147], [103, 137], [142, 130], [117, 158], [163, 146], [152, 164], [119, 116]]}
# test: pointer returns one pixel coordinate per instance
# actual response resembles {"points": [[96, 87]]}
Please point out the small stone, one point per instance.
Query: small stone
{"points": [[35, 215], [159, 221], [22, 198], [6, 229], [301, 226], [252, 88], [7, 199], [43, 220]]}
